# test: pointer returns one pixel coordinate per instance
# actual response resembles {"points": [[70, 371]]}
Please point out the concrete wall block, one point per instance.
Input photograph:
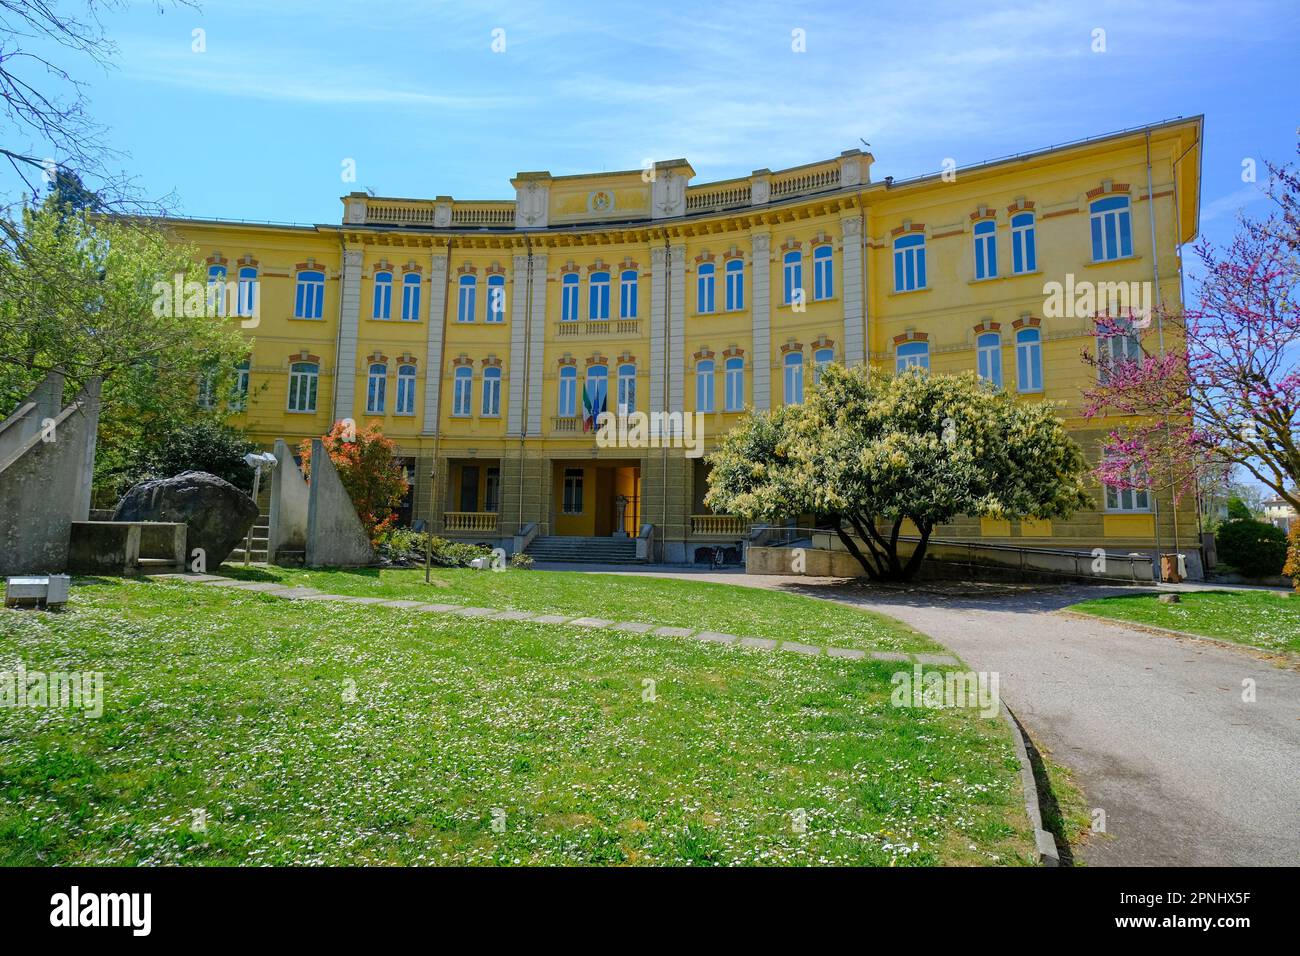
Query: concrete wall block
{"points": [[287, 529], [335, 536]]}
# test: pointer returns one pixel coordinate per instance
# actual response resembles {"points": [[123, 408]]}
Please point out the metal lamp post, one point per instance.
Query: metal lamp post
{"points": [[257, 461]]}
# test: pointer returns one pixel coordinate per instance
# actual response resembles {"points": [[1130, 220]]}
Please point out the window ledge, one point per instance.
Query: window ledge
{"points": [[924, 288], [1099, 263], [303, 318]]}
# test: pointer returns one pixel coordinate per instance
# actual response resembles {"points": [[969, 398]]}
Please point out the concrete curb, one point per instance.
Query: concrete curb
{"points": [[1044, 841]]}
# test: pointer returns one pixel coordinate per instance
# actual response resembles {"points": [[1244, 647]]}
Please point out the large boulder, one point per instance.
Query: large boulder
{"points": [[217, 514]]}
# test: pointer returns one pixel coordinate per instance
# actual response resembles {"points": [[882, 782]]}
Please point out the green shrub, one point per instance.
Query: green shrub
{"points": [[1255, 548], [405, 544], [1238, 510], [524, 562]]}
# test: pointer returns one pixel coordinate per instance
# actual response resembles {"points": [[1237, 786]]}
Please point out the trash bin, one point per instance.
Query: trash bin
{"points": [[1172, 568]]}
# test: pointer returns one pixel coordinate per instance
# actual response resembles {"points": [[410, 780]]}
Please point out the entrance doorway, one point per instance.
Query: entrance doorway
{"points": [[597, 500]]}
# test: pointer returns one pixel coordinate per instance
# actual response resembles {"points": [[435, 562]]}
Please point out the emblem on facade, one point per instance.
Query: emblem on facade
{"points": [[600, 201]]}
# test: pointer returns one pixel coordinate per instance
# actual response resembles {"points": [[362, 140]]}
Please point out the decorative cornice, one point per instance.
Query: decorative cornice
{"points": [[911, 335], [304, 356], [1032, 321], [1107, 186], [988, 325]]}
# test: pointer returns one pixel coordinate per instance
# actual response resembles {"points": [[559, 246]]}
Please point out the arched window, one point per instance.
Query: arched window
{"points": [[462, 392], [823, 272], [567, 407], [309, 297], [376, 384], [207, 384], [704, 385], [383, 295], [986, 249], [217, 290], [626, 389], [1029, 360], [912, 355], [246, 294], [302, 386], [496, 305], [793, 365], [411, 297], [569, 298], [821, 358], [1114, 349], [735, 385], [627, 282], [468, 287], [704, 287], [1112, 237], [793, 272], [909, 262], [595, 393], [491, 392], [598, 296], [239, 393], [735, 285], [1024, 257], [988, 357], [405, 390]]}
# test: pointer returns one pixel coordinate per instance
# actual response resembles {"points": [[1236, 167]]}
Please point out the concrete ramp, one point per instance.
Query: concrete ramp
{"points": [[335, 536], [47, 457]]}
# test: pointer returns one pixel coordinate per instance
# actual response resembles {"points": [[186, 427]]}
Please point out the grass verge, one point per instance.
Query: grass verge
{"points": [[1264, 619]]}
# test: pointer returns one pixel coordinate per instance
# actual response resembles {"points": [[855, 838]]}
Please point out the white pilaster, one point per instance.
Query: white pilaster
{"points": [[676, 371], [433, 351], [761, 361], [853, 293], [345, 362], [515, 373], [536, 341]]}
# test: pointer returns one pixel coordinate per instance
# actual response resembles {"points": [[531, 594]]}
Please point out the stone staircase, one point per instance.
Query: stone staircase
{"points": [[584, 550], [261, 534]]}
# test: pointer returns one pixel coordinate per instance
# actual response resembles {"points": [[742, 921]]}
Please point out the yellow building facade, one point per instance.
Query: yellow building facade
{"points": [[472, 331]]}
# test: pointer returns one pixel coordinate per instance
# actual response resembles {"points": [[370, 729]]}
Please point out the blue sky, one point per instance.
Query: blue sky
{"points": [[258, 125]]}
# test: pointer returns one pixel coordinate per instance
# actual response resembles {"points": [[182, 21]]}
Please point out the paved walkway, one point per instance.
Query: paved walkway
{"points": [[1154, 727], [632, 627]]}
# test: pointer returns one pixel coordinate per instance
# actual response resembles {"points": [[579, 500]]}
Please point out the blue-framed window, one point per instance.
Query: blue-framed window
{"points": [[1112, 235], [626, 389], [217, 290], [405, 390], [569, 298], [1029, 360], [912, 355], [303, 377], [383, 295], [376, 384], [704, 385], [704, 287], [491, 392], [239, 394], [462, 392], [988, 357], [823, 272], [627, 285], [986, 249], [596, 390], [735, 385], [735, 272], [467, 287], [1128, 499], [567, 406], [1114, 350], [496, 303], [821, 358], [1024, 255], [309, 297], [246, 292], [909, 262], [411, 297], [792, 272], [598, 296], [793, 366]]}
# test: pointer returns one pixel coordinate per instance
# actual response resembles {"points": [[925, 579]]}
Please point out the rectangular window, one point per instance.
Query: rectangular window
{"points": [[704, 387], [406, 390], [1024, 257], [627, 295], [1128, 499], [496, 309], [302, 387], [1112, 236], [735, 285], [1029, 361], [573, 491], [492, 490], [411, 297], [909, 263], [1113, 350], [735, 385], [465, 302], [986, 250], [569, 299], [598, 289], [469, 488], [309, 300], [823, 273]]}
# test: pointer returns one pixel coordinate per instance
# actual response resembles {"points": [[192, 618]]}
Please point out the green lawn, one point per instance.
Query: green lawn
{"points": [[749, 612], [326, 733], [1264, 619]]}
